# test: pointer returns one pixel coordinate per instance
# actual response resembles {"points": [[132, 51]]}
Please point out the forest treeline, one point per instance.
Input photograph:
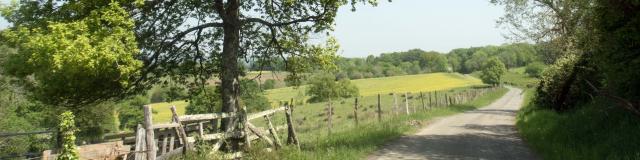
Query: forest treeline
{"points": [[417, 61]]}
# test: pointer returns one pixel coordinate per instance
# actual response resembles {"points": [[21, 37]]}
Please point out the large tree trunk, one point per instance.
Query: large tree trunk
{"points": [[229, 64]]}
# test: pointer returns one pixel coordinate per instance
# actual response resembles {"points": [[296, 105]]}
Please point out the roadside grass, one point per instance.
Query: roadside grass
{"points": [[356, 142], [598, 130]]}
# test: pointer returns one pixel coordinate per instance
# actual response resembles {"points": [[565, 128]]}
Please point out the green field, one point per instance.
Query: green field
{"points": [[162, 113], [516, 77], [368, 88], [384, 85]]}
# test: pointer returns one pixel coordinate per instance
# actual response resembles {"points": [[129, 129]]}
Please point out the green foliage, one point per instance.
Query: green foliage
{"points": [[168, 93], [252, 96], [67, 128], [492, 71], [594, 131], [269, 84], [562, 84], [413, 61], [130, 112], [534, 69], [467, 60], [100, 48], [206, 100], [616, 47], [323, 86]]}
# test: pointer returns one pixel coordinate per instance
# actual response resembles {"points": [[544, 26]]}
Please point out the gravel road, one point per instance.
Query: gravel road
{"points": [[485, 133]]}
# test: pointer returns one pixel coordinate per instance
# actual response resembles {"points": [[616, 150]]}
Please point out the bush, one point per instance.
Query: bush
{"points": [[168, 94], [205, 100], [562, 84], [492, 71], [67, 129], [534, 69], [356, 75], [130, 112], [269, 84], [252, 96], [323, 86]]}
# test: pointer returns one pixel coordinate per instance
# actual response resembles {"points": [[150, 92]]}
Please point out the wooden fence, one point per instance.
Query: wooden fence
{"points": [[409, 103], [164, 140], [161, 141]]}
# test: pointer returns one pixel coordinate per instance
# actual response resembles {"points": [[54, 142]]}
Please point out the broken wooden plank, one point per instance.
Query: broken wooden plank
{"points": [[263, 113]]}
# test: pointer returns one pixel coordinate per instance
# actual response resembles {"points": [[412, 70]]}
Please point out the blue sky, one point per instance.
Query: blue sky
{"points": [[439, 25]]}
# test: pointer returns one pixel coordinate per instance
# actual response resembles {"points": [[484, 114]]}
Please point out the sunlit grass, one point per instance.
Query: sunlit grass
{"points": [[162, 113], [384, 85]]}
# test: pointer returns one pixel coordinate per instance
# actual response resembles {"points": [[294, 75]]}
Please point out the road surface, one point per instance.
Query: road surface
{"points": [[485, 133]]}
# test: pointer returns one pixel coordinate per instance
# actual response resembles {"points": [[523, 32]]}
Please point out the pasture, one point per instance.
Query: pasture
{"points": [[384, 85], [368, 89]]}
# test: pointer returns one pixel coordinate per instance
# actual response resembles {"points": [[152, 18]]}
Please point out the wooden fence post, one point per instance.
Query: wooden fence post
{"points": [[274, 133], [148, 126], [406, 103], [379, 109], [291, 134], [435, 96], [446, 101], [141, 143], [245, 129], [395, 104], [181, 133], [329, 116], [430, 102], [355, 111], [424, 108]]}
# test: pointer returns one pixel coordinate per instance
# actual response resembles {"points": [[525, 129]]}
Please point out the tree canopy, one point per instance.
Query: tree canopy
{"points": [[492, 71]]}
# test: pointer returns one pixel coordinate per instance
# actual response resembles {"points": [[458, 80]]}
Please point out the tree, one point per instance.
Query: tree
{"points": [[80, 62], [492, 71], [556, 21], [323, 86], [191, 40], [534, 69]]}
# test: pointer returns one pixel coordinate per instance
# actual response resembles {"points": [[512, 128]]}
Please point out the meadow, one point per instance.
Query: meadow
{"points": [[384, 85], [368, 89]]}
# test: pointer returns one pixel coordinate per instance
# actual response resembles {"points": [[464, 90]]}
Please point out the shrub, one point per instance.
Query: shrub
{"points": [[269, 84], [562, 84], [492, 71], [67, 129], [130, 112], [205, 100], [323, 86], [534, 69]]}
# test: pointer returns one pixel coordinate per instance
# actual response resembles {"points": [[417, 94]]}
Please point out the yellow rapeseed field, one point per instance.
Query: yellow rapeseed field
{"points": [[383, 85], [368, 87]]}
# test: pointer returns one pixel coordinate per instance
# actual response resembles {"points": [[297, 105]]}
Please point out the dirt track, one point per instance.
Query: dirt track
{"points": [[485, 133]]}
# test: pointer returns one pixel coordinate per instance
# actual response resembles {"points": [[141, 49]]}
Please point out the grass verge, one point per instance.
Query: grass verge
{"points": [[598, 130], [358, 142]]}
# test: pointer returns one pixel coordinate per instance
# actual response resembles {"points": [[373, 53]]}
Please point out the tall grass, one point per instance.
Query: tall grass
{"points": [[598, 130], [358, 142]]}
